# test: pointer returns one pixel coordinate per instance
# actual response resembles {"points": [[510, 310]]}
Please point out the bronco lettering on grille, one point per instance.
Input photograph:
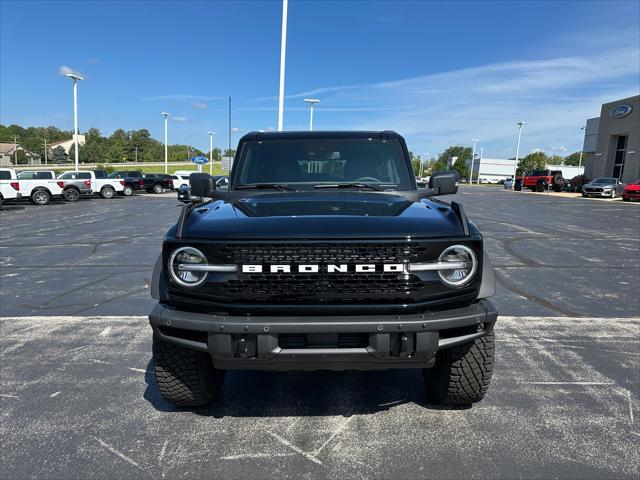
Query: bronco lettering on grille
{"points": [[331, 268]]}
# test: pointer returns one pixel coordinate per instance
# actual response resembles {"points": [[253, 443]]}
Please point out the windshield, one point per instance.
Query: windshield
{"points": [[307, 163], [604, 180]]}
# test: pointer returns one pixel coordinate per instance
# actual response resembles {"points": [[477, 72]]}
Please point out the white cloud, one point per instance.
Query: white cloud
{"points": [[93, 61], [554, 96], [179, 119], [64, 70], [199, 105], [236, 129]]}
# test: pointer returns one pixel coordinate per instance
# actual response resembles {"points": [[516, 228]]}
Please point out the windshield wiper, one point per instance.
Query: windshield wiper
{"points": [[275, 186], [348, 185]]}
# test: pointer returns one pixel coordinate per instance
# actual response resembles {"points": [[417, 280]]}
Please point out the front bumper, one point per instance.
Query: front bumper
{"points": [[606, 194], [392, 341]]}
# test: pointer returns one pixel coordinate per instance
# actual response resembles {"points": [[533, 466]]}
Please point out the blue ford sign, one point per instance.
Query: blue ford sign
{"points": [[199, 160], [620, 111]]}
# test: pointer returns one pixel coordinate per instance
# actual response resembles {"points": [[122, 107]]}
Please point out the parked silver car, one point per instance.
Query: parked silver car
{"points": [[603, 187]]}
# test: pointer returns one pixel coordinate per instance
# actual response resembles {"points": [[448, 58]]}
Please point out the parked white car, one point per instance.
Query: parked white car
{"points": [[105, 187], [9, 185], [39, 186], [180, 177]]}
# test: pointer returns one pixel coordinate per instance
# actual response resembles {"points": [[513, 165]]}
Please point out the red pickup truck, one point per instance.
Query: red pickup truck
{"points": [[541, 180]]}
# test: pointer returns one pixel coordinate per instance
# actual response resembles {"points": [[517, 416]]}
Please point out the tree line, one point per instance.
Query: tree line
{"points": [[120, 146], [532, 161]]}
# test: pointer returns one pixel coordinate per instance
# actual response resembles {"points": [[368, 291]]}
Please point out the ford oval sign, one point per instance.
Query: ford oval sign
{"points": [[620, 111], [199, 160]]}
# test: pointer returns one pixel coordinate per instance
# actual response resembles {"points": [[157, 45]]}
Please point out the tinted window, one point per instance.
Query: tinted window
{"points": [[100, 173], [75, 175], [117, 174], [310, 162], [5, 175]]}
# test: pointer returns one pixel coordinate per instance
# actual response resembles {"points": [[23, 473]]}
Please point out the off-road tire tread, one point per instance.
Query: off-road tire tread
{"points": [[185, 377], [462, 374]]}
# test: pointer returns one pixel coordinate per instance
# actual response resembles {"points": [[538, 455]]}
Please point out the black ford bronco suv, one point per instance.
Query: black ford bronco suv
{"points": [[323, 254]]}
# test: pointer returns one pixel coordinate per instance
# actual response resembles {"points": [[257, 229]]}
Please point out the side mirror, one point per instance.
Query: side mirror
{"points": [[444, 183], [202, 184]]}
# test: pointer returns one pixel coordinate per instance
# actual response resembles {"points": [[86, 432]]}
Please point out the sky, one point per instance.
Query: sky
{"points": [[439, 73]]}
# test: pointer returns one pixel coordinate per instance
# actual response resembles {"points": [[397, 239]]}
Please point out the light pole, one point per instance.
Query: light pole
{"points": [[283, 54], [473, 157], [211, 134], [311, 102], [515, 164], [584, 129], [75, 79], [166, 166], [45, 152]]}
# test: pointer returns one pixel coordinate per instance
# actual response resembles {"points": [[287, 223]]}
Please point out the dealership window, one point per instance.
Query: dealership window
{"points": [[621, 150]]}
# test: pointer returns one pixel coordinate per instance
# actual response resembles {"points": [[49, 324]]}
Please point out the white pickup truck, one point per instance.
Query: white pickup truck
{"points": [[9, 186], [106, 187], [39, 186]]}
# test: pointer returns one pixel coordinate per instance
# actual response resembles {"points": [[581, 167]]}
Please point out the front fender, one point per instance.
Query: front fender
{"points": [[158, 290], [488, 284]]}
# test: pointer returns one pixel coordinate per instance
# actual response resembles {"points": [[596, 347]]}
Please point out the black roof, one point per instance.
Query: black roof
{"points": [[320, 134]]}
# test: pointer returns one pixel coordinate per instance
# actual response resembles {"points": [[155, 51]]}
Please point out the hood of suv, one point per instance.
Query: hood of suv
{"points": [[322, 215]]}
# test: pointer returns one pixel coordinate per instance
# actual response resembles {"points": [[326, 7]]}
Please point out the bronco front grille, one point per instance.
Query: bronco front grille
{"points": [[324, 288]]}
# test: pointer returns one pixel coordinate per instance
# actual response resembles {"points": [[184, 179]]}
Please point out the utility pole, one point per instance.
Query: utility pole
{"points": [[515, 164], [166, 165], [15, 149], [211, 134], [283, 55], [229, 150], [136, 154], [584, 128], [473, 157], [311, 102], [45, 152]]}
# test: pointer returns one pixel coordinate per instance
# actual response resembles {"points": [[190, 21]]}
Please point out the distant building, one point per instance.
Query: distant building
{"points": [[612, 141], [492, 170], [65, 144], [8, 151]]}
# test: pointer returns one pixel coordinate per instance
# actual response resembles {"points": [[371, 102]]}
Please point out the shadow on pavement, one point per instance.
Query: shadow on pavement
{"points": [[288, 394]]}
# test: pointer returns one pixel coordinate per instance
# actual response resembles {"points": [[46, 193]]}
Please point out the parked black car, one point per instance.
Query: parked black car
{"points": [[132, 180], [157, 182], [323, 254]]}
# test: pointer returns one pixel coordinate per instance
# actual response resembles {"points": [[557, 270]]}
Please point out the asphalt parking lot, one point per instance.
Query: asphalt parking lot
{"points": [[79, 398]]}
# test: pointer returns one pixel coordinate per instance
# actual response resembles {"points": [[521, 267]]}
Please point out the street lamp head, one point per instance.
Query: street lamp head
{"points": [[211, 133], [520, 124], [311, 101], [74, 76], [475, 140], [165, 114]]}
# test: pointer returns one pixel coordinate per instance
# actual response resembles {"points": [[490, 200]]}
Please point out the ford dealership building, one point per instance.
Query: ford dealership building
{"points": [[612, 141]]}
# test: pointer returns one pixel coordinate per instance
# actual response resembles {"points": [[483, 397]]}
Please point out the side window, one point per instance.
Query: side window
{"points": [[84, 175], [44, 175], [67, 176], [5, 175]]}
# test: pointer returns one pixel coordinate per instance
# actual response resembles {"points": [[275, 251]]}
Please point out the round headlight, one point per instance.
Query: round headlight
{"points": [[180, 261], [466, 265]]}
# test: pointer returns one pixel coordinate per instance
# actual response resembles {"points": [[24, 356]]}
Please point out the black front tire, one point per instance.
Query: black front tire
{"points": [[157, 188], [462, 374], [185, 377]]}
